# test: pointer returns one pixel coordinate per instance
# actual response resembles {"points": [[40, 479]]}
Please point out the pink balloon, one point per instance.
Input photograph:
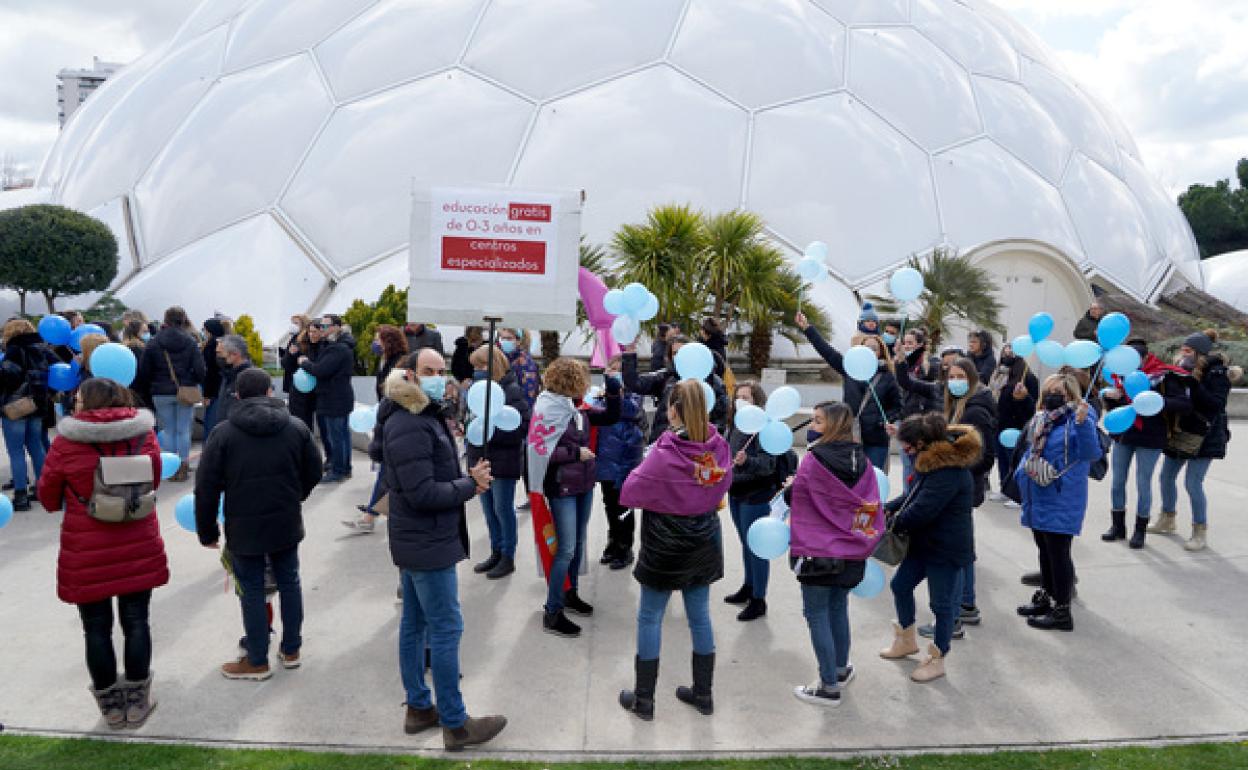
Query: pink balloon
{"points": [[592, 291]]}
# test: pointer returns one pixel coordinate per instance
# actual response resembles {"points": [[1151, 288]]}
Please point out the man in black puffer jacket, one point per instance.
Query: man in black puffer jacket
{"points": [[333, 367], [266, 464]]}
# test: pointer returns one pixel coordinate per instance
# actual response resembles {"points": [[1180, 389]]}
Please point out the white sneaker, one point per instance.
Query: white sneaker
{"points": [[817, 695], [1012, 504], [363, 525]]}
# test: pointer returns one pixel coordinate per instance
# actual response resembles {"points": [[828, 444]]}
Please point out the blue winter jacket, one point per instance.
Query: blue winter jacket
{"points": [[620, 445], [1061, 506]]}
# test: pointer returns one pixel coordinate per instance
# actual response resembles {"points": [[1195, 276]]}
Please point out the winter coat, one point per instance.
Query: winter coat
{"points": [[660, 384], [620, 446], [506, 448], [1209, 398], [857, 395], [1013, 412], [290, 364], [1152, 432], [980, 411], [266, 464], [332, 368], [527, 374], [936, 513], [24, 372], [1061, 506], [848, 462], [229, 389], [98, 560], [658, 355], [753, 481], [212, 369], [461, 366], [718, 345], [1086, 328], [426, 337], [154, 377], [384, 367], [985, 365], [567, 474], [427, 487], [914, 401]]}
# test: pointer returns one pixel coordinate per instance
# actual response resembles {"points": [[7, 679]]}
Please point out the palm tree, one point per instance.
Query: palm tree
{"points": [[952, 288], [663, 254], [732, 240]]}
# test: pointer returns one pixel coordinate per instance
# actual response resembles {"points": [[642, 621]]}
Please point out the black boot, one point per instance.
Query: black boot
{"points": [[1137, 537], [1057, 620], [699, 696], [21, 500], [506, 565], [1041, 604], [574, 603], [558, 624], [1118, 529], [754, 610], [640, 699], [489, 563], [742, 596]]}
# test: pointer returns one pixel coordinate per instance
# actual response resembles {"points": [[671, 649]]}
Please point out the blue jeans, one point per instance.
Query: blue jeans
{"points": [[249, 572], [339, 434], [210, 416], [571, 515], [378, 488], [827, 616], [323, 429], [499, 505], [650, 620], [1005, 456], [876, 455], [757, 571], [431, 606], [943, 588], [175, 422], [1145, 464], [22, 437], [1193, 482], [967, 579]]}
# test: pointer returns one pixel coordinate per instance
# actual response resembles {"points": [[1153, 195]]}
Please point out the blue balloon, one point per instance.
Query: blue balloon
{"points": [[1113, 330], [768, 538], [508, 419], [1149, 403], [304, 382], [363, 420], [906, 284], [1023, 346], [75, 366], [54, 329], [184, 513], [775, 438], [62, 377], [1120, 420], [1040, 327], [783, 402], [708, 396], [817, 250], [1082, 353], [1009, 437], [635, 297], [881, 481], [475, 431], [476, 398], [115, 362], [1051, 353], [1136, 383], [625, 328], [613, 302], [169, 464], [75, 339], [1122, 360], [648, 310], [750, 419], [694, 361], [861, 363], [6, 511], [872, 581], [811, 269]]}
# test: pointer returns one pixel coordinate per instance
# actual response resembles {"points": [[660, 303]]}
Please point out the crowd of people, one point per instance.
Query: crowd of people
{"points": [[674, 468]]}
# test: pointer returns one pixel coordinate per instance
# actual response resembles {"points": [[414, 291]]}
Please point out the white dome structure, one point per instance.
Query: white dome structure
{"points": [[1226, 277], [262, 159]]}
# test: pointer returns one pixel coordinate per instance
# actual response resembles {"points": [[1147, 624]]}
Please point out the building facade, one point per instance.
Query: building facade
{"points": [[75, 86]]}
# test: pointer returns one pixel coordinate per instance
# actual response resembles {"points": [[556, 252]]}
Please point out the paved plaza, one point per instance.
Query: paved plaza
{"points": [[1155, 652]]}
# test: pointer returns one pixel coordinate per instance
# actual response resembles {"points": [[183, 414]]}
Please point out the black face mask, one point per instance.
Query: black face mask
{"points": [[1054, 401], [1142, 350], [812, 436]]}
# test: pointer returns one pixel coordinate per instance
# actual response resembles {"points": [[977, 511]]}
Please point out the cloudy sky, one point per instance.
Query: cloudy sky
{"points": [[1177, 70]]}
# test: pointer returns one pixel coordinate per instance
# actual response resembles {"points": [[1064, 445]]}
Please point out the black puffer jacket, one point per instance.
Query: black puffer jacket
{"points": [[332, 368], [679, 552], [267, 464], [24, 372], [229, 389], [506, 448], [754, 481], [985, 364], [428, 488], [187, 359], [290, 364], [914, 401], [980, 411], [937, 515], [1209, 397], [857, 395], [1152, 432], [1017, 412], [660, 384], [212, 369]]}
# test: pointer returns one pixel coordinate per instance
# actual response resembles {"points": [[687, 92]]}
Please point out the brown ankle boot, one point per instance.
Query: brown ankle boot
{"points": [[419, 720], [475, 731], [932, 667], [905, 642], [139, 702]]}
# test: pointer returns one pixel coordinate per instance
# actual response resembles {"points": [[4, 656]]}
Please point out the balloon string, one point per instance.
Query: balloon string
{"points": [[871, 387], [1092, 383]]}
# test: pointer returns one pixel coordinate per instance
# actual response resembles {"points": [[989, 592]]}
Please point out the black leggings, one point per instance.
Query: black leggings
{"points": [[97, 628], [1057, 570]]}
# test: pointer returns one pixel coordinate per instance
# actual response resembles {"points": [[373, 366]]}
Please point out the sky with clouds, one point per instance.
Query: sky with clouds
{"points": [[1176, 70]]}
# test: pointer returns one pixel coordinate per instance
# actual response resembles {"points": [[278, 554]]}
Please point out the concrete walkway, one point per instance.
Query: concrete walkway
{"points": [[1155, 654]]}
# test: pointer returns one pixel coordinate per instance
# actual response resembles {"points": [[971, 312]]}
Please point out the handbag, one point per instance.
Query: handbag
{"points": [[1186, 435], [1100, 468], [20, 407], [188, 395], [893, 545]]}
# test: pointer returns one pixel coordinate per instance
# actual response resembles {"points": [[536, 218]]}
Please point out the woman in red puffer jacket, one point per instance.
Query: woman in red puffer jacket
{"points": [[99, 560]]}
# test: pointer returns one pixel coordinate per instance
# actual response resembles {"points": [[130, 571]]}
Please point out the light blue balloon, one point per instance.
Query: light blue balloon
{"points": [[476, 398], [1122, 360], [817, 250], [476, 429], [635, 297], [304, 382], [1023, 346], [75, 338], [6, 511], [115, 362], [1040, 327], [872, 581], [649, 310], [55, 329], [1113, 330], [810, 269], [184, 513], [625, 328], [783, 402], [169, 464], [906, 284], [1136, 383], [613, 302], [881, 481], [508, 419], [694, 361], [1051, 353], [708, 396], [775, 438], [1120, 420], [1082, 354], [363, 420], [1149, 403], [750, 419], [861, 363], [768, 538], [1009, 437]]}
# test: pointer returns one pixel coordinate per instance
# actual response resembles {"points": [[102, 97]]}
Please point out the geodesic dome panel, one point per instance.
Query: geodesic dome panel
{"points": [[303, 25], [1111, 225]]}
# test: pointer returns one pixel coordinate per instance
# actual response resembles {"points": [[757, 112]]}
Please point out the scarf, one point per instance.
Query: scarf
{"points": [[1045, 422], [680, 476], [830, 519], [551, 415], [1156, 369]]}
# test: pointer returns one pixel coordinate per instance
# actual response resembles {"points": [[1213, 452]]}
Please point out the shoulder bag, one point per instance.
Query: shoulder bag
{"points": [[188, 395], [894, 546]]}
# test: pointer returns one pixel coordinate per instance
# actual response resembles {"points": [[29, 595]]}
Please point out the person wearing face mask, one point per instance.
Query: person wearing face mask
{"points": [[619, 451], [891, 335], [754, 483], [1016, 389], [332, 368], [1143, 442], [979, 350], [923, 368], [303, 341], [515, 345], [1061, 443], [1210, 390], [233, 359], [660, 385], [390, 347]]}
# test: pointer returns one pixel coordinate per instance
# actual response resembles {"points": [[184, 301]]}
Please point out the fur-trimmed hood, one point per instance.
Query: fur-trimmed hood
{"points": [[105, 426], [406, 393], [963, 450]]}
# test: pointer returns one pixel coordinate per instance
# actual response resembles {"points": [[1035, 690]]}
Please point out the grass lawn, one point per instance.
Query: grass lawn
{"points": [[59, 754]]}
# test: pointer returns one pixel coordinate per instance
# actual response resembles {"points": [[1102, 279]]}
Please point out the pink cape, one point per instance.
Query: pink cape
{"points": [[830, 519], [681, 477]]}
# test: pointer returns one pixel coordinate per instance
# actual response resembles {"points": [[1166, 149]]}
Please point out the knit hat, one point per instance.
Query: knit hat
{"points": [[868, 313], [1200, 342], [215, 328]]}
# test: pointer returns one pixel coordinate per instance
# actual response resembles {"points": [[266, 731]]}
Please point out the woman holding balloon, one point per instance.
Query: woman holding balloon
{"points": [[697, 363], [1016, 390], [753, 485]]}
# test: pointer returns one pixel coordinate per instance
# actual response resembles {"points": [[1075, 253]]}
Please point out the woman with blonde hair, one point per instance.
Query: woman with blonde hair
{"points": [[678, 486]]}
